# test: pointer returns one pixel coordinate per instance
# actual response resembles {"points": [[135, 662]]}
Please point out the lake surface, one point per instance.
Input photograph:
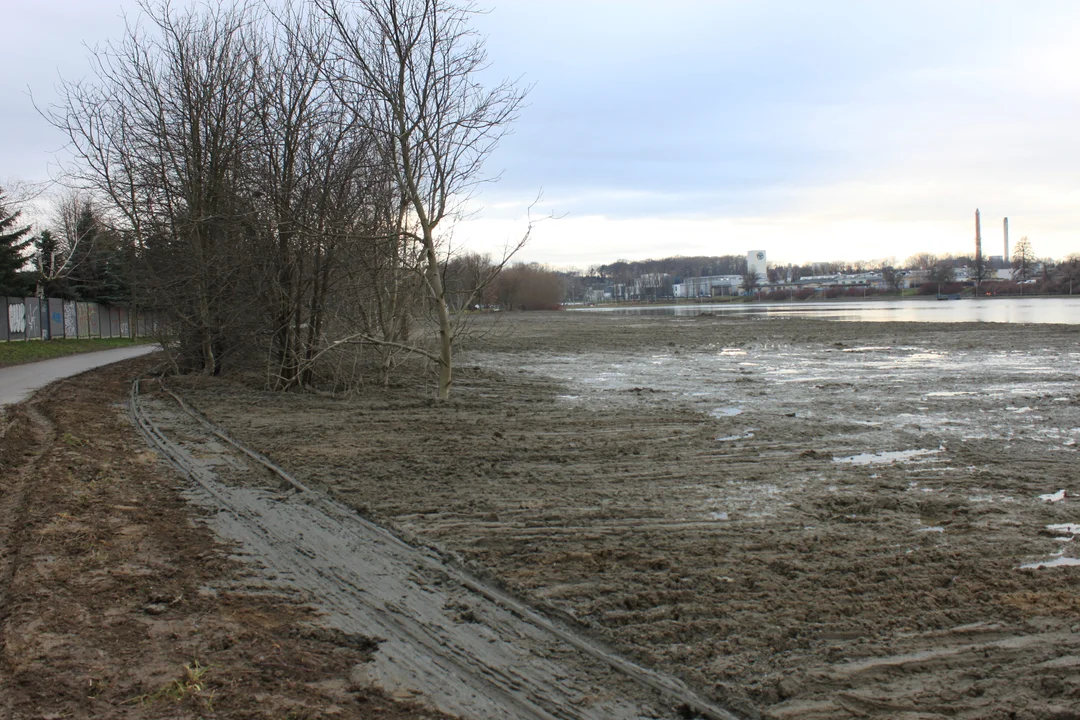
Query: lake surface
{"points": [[1064, 310]]}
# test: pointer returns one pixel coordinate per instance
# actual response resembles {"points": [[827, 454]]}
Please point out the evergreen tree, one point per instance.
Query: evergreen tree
{"points": [[13, 243], [85, 261], [49, 257]]}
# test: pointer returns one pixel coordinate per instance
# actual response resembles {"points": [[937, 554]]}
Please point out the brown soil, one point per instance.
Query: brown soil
{"points": [[679, 486], [114, 603]]}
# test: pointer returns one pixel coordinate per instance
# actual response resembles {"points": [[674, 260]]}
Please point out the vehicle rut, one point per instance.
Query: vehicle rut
{"points": [[447, 638]]}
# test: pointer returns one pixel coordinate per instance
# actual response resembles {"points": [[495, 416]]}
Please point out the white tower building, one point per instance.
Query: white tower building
{"points": [[755, 260]]}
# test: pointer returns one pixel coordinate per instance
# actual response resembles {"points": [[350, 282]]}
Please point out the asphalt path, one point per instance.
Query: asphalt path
{"points": [[18, 381]]}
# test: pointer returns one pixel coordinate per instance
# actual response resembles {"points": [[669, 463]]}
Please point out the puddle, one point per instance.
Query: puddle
{"points": [[1065, 528], [950, 393], [932, 528], [718, 516], [882, 458], [729, 438], [726, 412], [1053, 497], [1056, 562]]}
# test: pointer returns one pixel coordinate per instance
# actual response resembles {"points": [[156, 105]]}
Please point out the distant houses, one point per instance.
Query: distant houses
{"points": [[648, 282]]}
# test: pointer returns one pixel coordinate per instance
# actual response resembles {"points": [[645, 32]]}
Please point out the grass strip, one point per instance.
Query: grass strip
{"points": [[17, 352]]}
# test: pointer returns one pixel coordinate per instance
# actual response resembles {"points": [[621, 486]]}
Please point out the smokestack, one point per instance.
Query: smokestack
{"points": [[1006, 239], [978, 240]]}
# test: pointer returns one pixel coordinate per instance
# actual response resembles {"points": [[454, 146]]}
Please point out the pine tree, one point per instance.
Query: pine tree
{"points": [[13, 243]]}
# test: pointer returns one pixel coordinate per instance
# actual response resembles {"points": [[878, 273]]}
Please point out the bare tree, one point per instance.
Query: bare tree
{"points": [[463, 275], [66, 250], [981, 271], [1023, 260], [1070, 270], [751, 280], [409, 68], [310, 167], [941, 273], [529, 286], [160, 130], [921, 261], [893, 277]]}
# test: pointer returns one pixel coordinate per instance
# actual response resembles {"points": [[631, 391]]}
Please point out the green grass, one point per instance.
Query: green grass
{"points": [[25, 351]]}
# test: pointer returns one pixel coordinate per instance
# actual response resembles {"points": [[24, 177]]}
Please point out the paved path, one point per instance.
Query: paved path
{"points": [[17, 382]]}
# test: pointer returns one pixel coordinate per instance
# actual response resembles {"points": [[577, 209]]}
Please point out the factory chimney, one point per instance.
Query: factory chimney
{"points": [[1006, 258], [979, 271]]}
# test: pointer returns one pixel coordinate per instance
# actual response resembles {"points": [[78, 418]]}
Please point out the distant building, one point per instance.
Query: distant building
{"points": [[755, 262], [701, 287]]}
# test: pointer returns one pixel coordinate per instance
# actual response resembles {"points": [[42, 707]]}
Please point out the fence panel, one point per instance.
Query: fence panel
{"points": [[71, 320], [43, 314], [16, 315], [33, 318], [93, 315], [104, 324], [82, 313], [56, 318]]}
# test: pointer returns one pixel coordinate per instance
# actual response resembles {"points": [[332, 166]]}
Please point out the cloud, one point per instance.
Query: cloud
{"points": [[815, 126]]}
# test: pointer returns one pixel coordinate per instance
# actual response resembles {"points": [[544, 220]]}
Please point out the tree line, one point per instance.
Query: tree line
{"points": [[75, 256], [281, 179]]}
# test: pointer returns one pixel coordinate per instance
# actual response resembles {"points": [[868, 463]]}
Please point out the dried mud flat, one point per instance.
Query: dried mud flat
{"points": [[799, 518]]}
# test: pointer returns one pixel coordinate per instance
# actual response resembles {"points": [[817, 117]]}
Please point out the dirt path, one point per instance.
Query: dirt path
{"points": [[801, 519], [457, 643]]}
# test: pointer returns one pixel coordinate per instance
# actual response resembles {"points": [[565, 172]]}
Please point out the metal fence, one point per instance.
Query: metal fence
{"points": [[55, 319]]}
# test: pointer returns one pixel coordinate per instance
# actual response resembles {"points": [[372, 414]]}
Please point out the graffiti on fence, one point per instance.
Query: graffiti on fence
{"points": [[56, 318], [33, 318], [71, 326], [16, 317]]}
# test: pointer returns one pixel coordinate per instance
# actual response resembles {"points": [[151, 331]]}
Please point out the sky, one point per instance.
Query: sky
{"points": [[816, 131]]}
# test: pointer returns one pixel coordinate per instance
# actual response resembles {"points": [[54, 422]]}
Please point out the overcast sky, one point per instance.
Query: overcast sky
{"points": [[813, 130]]}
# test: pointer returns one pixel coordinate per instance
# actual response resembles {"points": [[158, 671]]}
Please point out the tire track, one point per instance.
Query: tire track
{"points": [[462, 645]]}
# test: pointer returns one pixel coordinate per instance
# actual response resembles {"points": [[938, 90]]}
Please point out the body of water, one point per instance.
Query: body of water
{"points": [[1065, 310]]}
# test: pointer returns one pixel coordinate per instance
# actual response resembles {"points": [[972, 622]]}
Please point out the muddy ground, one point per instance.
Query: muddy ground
{"points": [[800, 518], [116, 600]]}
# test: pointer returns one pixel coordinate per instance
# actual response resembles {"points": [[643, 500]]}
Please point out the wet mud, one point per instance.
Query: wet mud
{"points": [[798, 518], [440, 636]]}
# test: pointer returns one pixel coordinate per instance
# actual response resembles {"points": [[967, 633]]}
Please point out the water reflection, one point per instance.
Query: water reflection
{"points": [[997, 310]]}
